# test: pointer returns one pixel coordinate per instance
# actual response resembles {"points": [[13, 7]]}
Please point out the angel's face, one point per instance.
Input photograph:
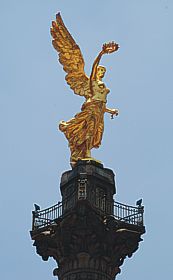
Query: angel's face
{"points": [[101, 71]]}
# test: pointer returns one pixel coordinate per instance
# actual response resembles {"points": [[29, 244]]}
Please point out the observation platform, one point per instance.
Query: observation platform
{"points": [[123, 215]]}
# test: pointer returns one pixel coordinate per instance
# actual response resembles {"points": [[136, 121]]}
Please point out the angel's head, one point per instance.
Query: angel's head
{"points": [[100, 72]]}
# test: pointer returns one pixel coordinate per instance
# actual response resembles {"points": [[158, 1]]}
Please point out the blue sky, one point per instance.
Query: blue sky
{"points": [[137, 145]]}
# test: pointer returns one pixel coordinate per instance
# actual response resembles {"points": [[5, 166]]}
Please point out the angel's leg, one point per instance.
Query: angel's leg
{"points": [[88, 149]]}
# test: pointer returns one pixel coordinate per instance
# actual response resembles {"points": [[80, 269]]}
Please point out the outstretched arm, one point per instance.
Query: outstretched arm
{"points": [[112, 111]]}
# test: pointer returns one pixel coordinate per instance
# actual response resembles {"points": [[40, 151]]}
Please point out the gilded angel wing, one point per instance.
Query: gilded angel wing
{"points": [[70, 57]]}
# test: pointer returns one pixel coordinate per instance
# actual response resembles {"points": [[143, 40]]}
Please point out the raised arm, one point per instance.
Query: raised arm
{"points": [[95, 65], [106, 48]]}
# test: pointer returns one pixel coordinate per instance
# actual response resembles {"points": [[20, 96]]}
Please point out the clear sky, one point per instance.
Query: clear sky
{"points": [[137, 145]]}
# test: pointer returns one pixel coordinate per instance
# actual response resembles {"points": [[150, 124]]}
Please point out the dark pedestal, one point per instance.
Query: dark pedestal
{"points": [[88, 181]]}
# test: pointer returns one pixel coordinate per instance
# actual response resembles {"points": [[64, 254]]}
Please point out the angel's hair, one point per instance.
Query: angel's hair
{"points": [[101, 67]]}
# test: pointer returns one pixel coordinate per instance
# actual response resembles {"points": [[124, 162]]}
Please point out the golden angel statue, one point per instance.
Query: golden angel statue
{"points": [[84, 131]]}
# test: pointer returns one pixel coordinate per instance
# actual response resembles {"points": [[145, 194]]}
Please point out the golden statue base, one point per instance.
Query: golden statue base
{"points": [[91, 159], [88, 160]]}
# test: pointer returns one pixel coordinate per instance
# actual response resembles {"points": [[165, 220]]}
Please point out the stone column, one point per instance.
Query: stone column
{"points": [[87, 241]]}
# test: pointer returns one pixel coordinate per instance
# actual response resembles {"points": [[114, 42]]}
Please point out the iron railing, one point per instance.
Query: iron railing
{"points": [[124, 213], [128, 214], [43, 218]]}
